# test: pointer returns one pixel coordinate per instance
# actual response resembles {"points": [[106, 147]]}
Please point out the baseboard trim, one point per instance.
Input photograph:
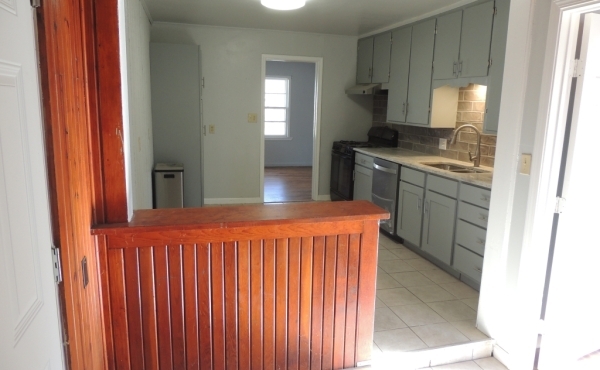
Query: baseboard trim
{"points": [[288, 165], [213, 201]]}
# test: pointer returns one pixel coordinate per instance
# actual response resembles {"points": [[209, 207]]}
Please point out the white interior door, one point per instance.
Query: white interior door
{"points": [[572, 322], [29, 320]]}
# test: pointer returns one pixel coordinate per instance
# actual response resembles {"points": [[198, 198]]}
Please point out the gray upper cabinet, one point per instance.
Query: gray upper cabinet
{"points": [[447, 46], [382, 45], [419, 79], [496, 72], [373, 61], [399, 69], [364, 63], [475, 41]]}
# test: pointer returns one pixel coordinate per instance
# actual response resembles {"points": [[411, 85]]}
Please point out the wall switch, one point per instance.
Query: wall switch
{"points": [[443, 143], [211, 129], [252, 117], [525, 163]]}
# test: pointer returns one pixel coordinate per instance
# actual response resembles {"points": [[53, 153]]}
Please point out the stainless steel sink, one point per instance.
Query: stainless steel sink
{"points": [[456, 168]]}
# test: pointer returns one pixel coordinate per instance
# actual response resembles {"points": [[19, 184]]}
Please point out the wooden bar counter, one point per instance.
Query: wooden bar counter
{"points": [[282, 286]]}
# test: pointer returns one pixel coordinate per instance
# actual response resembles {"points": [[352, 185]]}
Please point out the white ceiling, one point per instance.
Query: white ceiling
{"points": [[340, 17]]}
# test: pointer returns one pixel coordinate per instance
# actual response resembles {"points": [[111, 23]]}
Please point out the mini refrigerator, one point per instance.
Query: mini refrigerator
{"points": [[168, 185]]}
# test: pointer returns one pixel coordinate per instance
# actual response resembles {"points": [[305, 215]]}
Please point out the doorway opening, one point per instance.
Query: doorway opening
{"points": [[290, 130]]}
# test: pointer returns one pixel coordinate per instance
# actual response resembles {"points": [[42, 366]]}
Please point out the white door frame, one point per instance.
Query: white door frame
{"points": [[541, 198], [318, 61]]}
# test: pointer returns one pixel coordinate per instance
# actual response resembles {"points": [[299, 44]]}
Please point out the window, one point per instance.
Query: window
{"points": [[277, 107]]}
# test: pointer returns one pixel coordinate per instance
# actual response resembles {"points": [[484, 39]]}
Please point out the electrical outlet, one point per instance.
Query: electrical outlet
{"points": [[211, 129], [443, 143], [252, 117], [525, 164]]}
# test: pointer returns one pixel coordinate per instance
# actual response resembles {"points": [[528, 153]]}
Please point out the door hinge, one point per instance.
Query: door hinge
{"points": [[36, 3], [577, 68], [559, 207], [495, 11], [56, 265], [490, 62], [202, 82]]}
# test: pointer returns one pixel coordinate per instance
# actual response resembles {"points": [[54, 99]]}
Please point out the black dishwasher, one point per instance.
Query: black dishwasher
{"points": [[385, 190]]}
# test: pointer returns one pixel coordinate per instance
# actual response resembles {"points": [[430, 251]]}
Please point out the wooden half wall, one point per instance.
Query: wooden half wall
{"points": [[289, 286]]}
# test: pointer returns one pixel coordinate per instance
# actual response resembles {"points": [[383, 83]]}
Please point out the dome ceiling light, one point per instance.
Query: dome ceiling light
{"points": [[283, 4]]}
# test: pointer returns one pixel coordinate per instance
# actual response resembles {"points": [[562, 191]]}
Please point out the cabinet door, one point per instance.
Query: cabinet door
{"points": [[382, 47], [475, 40], [496, 72], [447, 46], [410, 213], [363, 178], [364, 63], [399, 68], [419, 79], [438, 226]]}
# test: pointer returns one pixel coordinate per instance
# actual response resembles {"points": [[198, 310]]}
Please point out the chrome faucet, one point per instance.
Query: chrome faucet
{"points": [[473, 158]]}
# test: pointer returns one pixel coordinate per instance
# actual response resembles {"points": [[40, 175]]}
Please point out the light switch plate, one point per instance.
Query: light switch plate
{"points": [[443, 143], [252, 117], [525, 163], [211, 129]]}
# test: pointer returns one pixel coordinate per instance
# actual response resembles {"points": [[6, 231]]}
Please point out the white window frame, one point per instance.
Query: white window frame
{"points": [[287, 113]]}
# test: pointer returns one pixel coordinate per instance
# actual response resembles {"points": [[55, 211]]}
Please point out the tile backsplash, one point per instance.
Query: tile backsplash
{"points": [[471, 107]]}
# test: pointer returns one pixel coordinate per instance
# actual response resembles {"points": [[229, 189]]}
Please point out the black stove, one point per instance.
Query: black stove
{"points": [[342, 160]]}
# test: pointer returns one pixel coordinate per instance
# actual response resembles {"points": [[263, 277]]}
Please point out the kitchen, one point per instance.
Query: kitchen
{"points": [[514, 58]]}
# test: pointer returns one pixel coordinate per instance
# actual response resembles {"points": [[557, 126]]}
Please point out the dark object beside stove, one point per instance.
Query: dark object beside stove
{"points": [[342, 160]]}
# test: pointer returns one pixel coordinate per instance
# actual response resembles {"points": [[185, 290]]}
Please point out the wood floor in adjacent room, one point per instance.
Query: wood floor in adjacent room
{"points": [[288, 184]]}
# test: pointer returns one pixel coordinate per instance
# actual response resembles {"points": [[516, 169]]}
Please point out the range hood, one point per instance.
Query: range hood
{"points": [[363, 89]]}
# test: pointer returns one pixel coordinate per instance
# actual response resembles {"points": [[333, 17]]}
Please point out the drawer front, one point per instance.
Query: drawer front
{"points": [[412, 176], [468, 263], [442, 186], [364, 160], [474, 195], [470, 237], [473, 214]]}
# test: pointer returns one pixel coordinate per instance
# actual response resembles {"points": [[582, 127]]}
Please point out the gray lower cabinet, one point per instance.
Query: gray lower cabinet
{"points": [[471, 229], [410, 212], [439, 217]]}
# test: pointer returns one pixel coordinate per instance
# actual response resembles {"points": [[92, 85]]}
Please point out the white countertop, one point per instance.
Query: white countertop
{"points": [[414, 160]]}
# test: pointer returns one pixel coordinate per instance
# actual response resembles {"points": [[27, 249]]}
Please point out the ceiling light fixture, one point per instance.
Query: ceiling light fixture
{"points": [[283, 4]]}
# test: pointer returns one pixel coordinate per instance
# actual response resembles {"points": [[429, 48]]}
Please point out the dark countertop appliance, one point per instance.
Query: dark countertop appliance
{"points": [[342, 160]]}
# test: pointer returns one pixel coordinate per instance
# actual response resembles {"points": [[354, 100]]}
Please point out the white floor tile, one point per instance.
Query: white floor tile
{"points": [[490, 363], [398, 340], [453, 310], [421, 264], [460, 290], [397, 297], [385, 319], [386, 254], [391, 266], [443, 334], [439, 276], [417, 314], [379, 303], [411, 278], [468, 328], [431, 293], [385, 281], [471, 302], [405, 254]]}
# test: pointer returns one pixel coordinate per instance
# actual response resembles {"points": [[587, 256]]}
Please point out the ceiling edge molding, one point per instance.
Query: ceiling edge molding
{"points": [[158, 23], [417, 18]]}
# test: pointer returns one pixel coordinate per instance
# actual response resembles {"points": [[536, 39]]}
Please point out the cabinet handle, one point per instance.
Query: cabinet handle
{"points": [[454, 69], [403, 107], [483, 217], [480, 241], [426, 207], [459, 68], [407, 108], [418, 204]]}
